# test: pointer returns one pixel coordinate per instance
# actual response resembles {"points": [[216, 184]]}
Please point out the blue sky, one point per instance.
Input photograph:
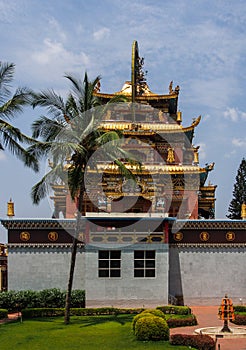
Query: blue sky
{"points": [[200, 45]]}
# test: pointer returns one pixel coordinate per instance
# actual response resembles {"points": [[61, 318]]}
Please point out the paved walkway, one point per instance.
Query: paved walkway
{"points": [[11, 317], [207, 317]]}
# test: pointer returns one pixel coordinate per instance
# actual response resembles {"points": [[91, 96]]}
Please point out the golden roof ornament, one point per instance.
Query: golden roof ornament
{"points": [[10, 209], [243, 211], [179, 117], [196, 155], [170, 155]]}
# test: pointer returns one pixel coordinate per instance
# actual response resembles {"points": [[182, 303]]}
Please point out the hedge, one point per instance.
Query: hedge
{"points": [[42, 312], [104, 311], [182, 322], [48, 298], [52, 312], [201, 342], [3, 314], [239, 308], [173, 309], [239, 320]]}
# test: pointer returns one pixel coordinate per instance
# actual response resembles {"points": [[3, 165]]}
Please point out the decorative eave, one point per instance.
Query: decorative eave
{"points": [[153, 169], [148, 128], [211, 224], [208, 245], [147, 97], [43, 245], [38, 223], [208, 188]]}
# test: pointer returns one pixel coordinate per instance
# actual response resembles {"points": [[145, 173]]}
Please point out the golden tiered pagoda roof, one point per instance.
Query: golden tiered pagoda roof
{"points": [[150, 128], [152, 169]]}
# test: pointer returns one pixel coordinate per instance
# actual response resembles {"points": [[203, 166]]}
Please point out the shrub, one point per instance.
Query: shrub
{"points": [[102, 311], [8, 300], [239, 319], [182, 322], [239, 308], [173, 309], [201, 342], [137, 317], [52, 312], [48, 298], [78, 298], [151, 328], [41, 312], [154, 312], [3, 314]]}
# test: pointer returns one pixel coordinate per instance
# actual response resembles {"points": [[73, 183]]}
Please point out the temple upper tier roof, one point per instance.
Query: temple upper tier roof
{"points": [[147, 127]]}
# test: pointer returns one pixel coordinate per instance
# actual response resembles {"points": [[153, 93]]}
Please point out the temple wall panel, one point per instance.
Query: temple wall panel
{"points": [[202, 275], [42, 268], [127, 291]]}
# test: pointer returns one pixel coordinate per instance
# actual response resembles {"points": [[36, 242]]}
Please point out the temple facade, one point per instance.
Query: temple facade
{"points": [[146, 242], [170, 182]]}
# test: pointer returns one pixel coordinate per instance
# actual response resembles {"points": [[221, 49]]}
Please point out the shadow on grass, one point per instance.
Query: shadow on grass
{"points": [[95, 320], [85, 321]]}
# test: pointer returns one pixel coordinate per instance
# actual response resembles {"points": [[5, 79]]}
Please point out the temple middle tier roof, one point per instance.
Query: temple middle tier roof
{"points": [[148, 127], [153, 168]]}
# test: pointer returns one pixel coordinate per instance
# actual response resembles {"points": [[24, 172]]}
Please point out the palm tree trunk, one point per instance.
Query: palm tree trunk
{"points": [[73, 258]]}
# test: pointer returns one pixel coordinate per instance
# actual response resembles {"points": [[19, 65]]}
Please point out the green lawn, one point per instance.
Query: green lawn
{"points": [[86, 332]]}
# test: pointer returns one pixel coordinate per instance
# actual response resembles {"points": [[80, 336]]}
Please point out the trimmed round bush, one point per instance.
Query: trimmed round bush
{"points": [[154, 312], [137, 317], [151, 328]]}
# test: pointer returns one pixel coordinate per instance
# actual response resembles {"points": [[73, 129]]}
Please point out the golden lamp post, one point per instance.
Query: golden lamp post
{"points": [[226, 313]]}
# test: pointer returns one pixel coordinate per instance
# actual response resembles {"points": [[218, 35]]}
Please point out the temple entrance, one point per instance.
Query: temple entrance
{"points": [[131, 204]]}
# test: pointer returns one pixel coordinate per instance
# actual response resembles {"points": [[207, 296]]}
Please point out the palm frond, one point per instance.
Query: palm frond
{"points": [[10, 138], [13, 106], [6, 77], [47, 128], [50, 100], [42, 188]]}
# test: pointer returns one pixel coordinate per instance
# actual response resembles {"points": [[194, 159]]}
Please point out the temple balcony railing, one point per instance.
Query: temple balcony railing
{"points": [[118, 237]]}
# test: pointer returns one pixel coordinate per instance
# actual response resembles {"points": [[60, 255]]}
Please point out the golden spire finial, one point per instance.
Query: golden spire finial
{"points": [[196, 155], [179, 117], [11, 210]]}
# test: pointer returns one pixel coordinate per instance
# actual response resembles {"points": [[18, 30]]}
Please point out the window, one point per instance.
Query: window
{"points": [[144, 263], [109, 262]]}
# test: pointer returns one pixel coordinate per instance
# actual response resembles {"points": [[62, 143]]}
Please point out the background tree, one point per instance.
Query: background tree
{"points": [[12, 138], [239, 193], [73, 131]]}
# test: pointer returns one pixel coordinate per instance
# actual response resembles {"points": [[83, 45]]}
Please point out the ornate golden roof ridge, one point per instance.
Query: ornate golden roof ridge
{"points": [[147, 127], [153, 168], [151, 96]]}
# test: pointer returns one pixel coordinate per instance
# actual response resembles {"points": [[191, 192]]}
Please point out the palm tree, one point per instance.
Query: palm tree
{"points": [[74, 130], [10, 105]]}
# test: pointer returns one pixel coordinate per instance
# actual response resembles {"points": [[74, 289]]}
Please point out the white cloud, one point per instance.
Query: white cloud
{"points": [[51, 50], [239, 142], [101, 33], [202, 151], [52, 60], [55, 27], [234, 114]]}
